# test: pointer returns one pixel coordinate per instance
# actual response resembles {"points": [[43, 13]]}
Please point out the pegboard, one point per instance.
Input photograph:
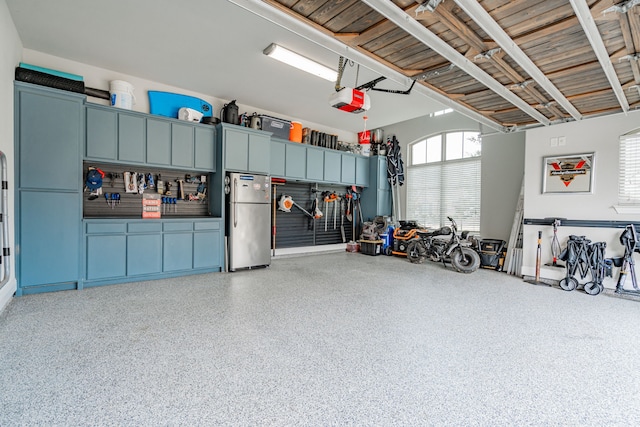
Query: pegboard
{"points": [[296, 229], [130, 204]]}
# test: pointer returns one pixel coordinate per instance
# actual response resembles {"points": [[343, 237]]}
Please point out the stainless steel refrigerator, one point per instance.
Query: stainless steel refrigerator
{"points": [[249, 220]]}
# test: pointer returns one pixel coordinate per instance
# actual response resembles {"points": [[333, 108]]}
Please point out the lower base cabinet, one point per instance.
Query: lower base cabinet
{"points": [[49, 239], [144, 254], [106, 256], [127, 250], [206, 243], [177, 251]]}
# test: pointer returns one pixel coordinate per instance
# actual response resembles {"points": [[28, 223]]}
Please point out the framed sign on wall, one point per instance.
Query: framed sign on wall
{"points": [[571, 173]]}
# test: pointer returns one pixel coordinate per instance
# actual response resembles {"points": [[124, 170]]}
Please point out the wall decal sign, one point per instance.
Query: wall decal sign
{"points": [[572, 173]]}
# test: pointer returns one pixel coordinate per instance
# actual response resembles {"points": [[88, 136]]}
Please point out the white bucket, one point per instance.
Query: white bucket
{"points": [[122, 94]]}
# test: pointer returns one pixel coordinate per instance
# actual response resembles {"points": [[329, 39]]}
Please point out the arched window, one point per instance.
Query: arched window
{"points": [[443, 179], [629, 176]]}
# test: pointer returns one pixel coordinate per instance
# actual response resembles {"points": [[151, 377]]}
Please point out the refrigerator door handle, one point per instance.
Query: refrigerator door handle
{"points": [[235, 202]]}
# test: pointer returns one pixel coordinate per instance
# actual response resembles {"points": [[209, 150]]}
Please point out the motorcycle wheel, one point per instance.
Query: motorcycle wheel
{"points": [[465, 260], [416, 252]]}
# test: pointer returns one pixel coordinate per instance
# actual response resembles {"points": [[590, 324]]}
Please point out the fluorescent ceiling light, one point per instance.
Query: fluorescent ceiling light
{"points": [[295, 60]]}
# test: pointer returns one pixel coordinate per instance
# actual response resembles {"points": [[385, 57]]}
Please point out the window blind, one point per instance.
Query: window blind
{"points": [[629, 177], [435, 191]]}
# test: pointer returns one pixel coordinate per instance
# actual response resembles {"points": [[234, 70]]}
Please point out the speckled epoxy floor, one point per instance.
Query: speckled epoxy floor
{"points": [[330, 339]]}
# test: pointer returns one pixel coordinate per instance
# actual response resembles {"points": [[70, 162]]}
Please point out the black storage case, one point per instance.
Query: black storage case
{"points": [[371, 247], [491, 250]]}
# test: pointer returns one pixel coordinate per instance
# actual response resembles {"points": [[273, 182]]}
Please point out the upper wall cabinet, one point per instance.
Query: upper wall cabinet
{"points": [[348, 175], [362, 171], [332, 166], [303, 162], [277, 158], [244, 149], [130, 137], [49, 132]]}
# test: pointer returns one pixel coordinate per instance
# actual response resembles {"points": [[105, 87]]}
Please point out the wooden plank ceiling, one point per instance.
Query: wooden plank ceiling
{"points": [[548, 34]]}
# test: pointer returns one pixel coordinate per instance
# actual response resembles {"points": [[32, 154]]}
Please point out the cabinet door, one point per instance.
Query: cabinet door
{"points": [[182, 137], [277, 158], [206, 249], [295, 161], [106, 256], [49, 146], [144, 254], [259, 153], [383, 207], [362, 171], [204, 149], [236, 150], [177, 251], [158, 142], [381, 177], [102, 133], [348, 175], [49, 230], [332, 166], [315, 164], [131, 139]]}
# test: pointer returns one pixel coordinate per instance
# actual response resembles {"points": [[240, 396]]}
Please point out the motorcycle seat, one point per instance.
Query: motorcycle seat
{"points": [[443, 231]]}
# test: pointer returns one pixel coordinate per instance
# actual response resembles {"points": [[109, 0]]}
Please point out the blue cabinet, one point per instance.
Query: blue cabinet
{"points": [[277, 158], [49, 239], [131, 138], [115, 135], [259, 153], [120, 250], [332, 166], [106, 256], [144, 248], [362, 171], [158, 142], [182, 140], [102, 133], [204, 148], [49, 126], [177, 251], [348, 174], [244, 149], [204, 249], [295, 161], [315, 165], [376, 199], [208, 246]]}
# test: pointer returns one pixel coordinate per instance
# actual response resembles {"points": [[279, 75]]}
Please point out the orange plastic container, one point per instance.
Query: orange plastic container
{"points": [[295, 132]]}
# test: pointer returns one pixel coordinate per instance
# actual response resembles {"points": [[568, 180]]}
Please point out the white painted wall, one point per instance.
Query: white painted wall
{"points": [[502, 173], [11, 48], [599, 135], [99, 78], [502, 167]]}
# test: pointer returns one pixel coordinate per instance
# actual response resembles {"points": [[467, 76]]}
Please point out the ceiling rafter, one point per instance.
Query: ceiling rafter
{"points": [[280, 15], [491, 27], [456, 25], [546, 70], [583, 13], [420, 32], [629, 44], [544, 31]]}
